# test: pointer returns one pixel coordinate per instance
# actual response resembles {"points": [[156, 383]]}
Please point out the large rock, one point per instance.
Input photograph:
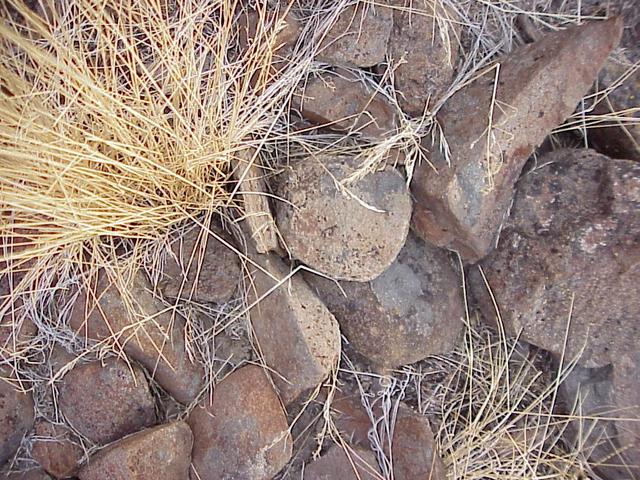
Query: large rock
{"points": [[16, 419], [350, 233], [626, 384], [149, 332], [574, 232], [414, 309], [243, 432], [56, 449], [359, 36], [423, 51], [297, 336], [159, 453], [105, 401], [461, 205], [336, 463]]}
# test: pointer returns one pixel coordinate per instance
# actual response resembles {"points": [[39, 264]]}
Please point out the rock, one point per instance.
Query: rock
{"points": [[414, 309], [56, 449], [35, 474], [339, 464], [462, 205], [359, 36], [16, 419], [159, 453], [423, 52], [16, 330], [105, 401], [342, 101], [209, 274], [335, 232], [626, 383], [298, 337], [351, 419], [143, 340], [243, 432], [573, 231]]}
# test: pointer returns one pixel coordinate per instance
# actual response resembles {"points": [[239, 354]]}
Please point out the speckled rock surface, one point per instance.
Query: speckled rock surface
{"points": [[336, 463], [56, 449], [16, 418]]}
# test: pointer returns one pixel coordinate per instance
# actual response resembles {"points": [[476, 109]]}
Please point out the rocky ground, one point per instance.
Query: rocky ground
{"points": [[461, 300]]}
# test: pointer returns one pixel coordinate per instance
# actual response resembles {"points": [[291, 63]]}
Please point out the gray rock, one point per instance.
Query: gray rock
{"points": [[336, 463]]}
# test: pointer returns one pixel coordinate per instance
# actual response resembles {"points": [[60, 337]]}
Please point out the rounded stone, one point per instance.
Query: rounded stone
{"points": [[16, 419], [55, 449]]}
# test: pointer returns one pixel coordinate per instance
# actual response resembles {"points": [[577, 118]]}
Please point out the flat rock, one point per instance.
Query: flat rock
{"points": [[159, 453], [16, 419], [342, 101], [359, 36], [422, 51], [461, 205], [56, 449], [336, 463], [105, 401], [243, 432], [152, 335], [298, 337], [348, 233], [574, 231], [414, 309], [199, 267]]}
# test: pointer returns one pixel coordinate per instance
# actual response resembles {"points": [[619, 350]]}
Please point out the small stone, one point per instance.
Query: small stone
{"points": [[342, 101], [297, 336], [461, 205], [56, 449], [209, 274], [159, 453], [351, 419], [157, 343], [16, 418], [105, 401], [423, 52], [348, 233], [356, 464], [414, 309], [574, 234], [243, 432], [359, 36]]}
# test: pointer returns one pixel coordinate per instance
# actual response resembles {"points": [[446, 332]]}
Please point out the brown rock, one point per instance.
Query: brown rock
{"points": [[414, 309], [243, 433], [574, 232], [105, 402], [153, 335], [356, 464], [36, 474], [351, 419], [359, 36], [209, 274], [342, 101], [56, 449], [16, 419], [423, 51], [626, 382], [296, 334], [159, 453], [337, 231], [462, 205]]}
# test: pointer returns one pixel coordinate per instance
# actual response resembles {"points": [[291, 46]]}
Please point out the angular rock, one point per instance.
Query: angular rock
{"points": [[209, 274], [356, 464], [153, 335], [243, 432], [159, 453], [349, 233], [461, 205], [56, 449], [414, 309], [16, 419], [359, 36], [423, 52], [298, 337], [105, 401], [574, 231], [342, 101]]}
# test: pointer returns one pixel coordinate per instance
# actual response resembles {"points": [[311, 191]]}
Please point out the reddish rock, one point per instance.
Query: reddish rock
{"points": [[153, 335], [353, 233], [423, 52], [461, 205], [56, 449], [35, 474], [336, 463], [574, 232], [351, 419], [159, 453], [414, 309], [359, 36], [342, 101], [243, 432], [16, 419], [107, 400], [201, 268], [297, 336]]}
